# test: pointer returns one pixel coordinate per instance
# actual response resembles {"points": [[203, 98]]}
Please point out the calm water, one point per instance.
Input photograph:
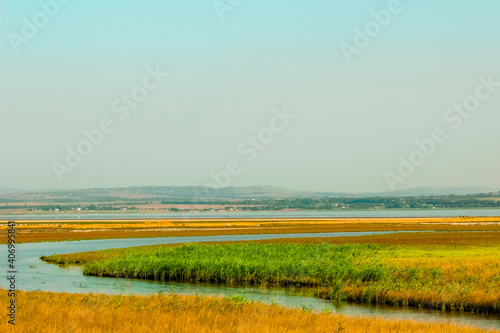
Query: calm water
{"points": [[33, 274], [267, 215]]}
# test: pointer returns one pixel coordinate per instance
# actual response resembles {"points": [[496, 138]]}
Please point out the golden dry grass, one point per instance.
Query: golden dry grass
{"points": [[78, 313], [243, 222], [84, 230]]}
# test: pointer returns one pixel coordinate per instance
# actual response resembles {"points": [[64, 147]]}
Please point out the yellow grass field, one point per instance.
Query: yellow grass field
{"points": [[40, 231], [80, 313], [455, 253]]}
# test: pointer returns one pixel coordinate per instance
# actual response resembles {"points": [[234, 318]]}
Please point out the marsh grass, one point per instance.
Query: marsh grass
{"points": [[446, 278], [446, 271], [89, 313], [256, 264]]}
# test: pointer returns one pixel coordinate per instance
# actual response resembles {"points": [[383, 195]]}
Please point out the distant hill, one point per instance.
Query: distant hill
{"points": [[428, 191], [247, 192], [7, 190]]}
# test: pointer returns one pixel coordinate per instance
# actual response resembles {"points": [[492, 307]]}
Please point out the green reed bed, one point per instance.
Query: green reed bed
{"points": [[447, 278], [275, 264]]}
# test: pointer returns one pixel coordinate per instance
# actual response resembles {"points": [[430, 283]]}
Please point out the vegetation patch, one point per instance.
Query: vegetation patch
{"points": [[63, 312], [447, 271]]}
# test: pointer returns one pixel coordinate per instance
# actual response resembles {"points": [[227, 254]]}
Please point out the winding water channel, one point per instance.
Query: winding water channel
{"points": [[33, 274]]}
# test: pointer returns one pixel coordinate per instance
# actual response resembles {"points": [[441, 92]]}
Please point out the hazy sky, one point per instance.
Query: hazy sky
{"points": [[313, 95]]}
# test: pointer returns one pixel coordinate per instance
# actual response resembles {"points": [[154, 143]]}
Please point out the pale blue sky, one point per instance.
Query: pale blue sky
{"points": [[352, 120]]}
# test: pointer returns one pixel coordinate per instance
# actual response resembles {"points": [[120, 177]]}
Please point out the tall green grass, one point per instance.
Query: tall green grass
{"points": [[276, 264], [356, 272]]}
